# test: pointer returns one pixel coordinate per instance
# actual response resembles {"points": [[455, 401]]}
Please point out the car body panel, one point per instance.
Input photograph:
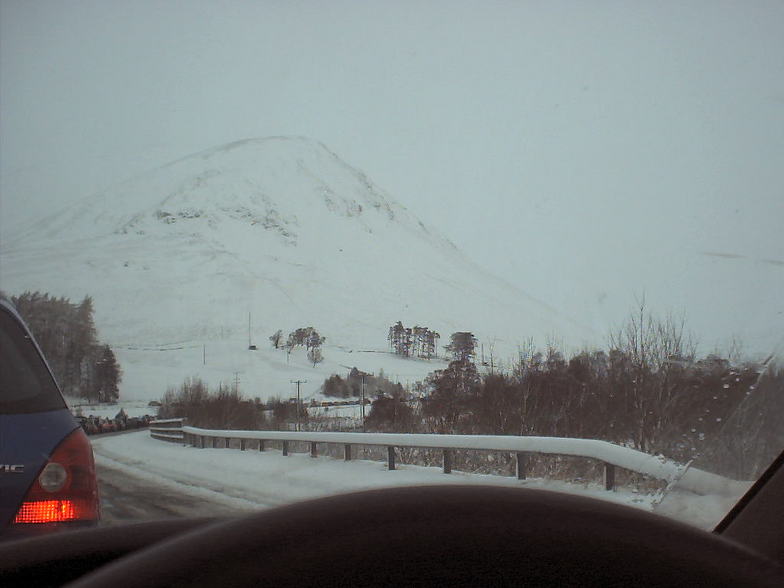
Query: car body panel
{"points": [[31, 427], [27, 440]]}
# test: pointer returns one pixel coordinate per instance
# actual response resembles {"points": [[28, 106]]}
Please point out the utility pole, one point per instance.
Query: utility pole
{"points": [[298, 382], [251, 346], [362, 402], [204, 354], [362, 398], [236, 382]]}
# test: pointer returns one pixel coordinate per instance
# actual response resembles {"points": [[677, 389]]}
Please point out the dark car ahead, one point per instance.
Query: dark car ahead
{"points": [[47, 472]]}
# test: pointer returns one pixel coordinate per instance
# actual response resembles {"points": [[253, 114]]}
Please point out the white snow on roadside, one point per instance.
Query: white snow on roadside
{"points": [[253, 479], [701, 511]]}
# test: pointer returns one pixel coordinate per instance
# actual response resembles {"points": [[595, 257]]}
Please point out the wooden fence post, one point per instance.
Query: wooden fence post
{"points": [[313, 449], [285, 448], [609, 476], [391, 457], [261, 444], [522, 464], [347, 452], [447, 461]]}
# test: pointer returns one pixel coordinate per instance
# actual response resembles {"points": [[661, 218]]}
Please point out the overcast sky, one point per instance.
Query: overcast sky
{"points": [[587, 151]]}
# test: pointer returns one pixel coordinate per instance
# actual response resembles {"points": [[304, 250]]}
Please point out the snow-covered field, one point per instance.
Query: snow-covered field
{"points": [[252, 480], [263, 373], [279, 229], [133, 408]]}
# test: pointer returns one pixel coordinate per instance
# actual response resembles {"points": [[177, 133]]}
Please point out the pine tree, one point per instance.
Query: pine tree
{"points": [[462, 346], [397, 338], [107, 375], [67, 336]]}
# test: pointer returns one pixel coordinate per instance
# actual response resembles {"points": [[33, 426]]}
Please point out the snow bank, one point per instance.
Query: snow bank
{"points": [[657, 467], [248, 480], [253, 479]]}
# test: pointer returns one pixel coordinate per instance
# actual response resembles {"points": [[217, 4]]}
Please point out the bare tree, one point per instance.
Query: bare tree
{"points": [[657, 351], [315, 356]]}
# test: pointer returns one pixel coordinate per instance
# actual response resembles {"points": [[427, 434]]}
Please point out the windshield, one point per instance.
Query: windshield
{"points": [[535, 245]]}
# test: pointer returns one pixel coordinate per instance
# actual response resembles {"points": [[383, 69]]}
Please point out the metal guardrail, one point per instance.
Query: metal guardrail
{"points": [[168, 430], [610, 455]]}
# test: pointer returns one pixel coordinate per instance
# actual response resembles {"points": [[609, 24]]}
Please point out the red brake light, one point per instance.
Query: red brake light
{"points": [[47, 511], [66, 488]]}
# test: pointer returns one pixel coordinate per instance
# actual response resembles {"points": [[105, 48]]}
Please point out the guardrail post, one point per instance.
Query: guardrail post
{"points": [[347, 452], [391, 457], [447, 461], [285, 448], [609, 476], [522, 464], [242, 444], [313, 450], [214, 442], [228, 442], [201, 441], [261, 444]]}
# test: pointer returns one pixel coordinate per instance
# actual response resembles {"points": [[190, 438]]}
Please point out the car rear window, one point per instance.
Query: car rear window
{"points": [[26, 385]]}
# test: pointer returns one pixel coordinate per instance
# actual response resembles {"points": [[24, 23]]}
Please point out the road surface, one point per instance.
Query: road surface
{"points": [[126, 498]]}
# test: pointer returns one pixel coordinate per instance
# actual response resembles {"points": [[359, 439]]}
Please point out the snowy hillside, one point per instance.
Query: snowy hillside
{"points": [[280, 228]]}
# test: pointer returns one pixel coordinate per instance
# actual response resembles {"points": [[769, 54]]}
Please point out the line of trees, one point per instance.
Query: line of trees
{"points": [[83, 367], [225, 407], [648, 390], [422, 342], [413, 342], [222, 408]]}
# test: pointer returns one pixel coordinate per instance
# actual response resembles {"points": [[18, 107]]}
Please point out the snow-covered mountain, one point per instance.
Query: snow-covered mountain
{"points": [[280, 228]]}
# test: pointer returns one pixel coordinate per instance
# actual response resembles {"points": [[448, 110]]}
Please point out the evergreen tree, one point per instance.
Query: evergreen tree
{"points": [[398, 340], [67, 336], [447, 406], [107, 375], [462, 346]]}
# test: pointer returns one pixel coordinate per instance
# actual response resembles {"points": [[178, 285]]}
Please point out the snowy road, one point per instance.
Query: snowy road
{"points": [[126, 498]]}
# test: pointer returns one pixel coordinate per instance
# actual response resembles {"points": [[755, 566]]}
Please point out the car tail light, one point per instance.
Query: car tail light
{"points": [[66, 489]]}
